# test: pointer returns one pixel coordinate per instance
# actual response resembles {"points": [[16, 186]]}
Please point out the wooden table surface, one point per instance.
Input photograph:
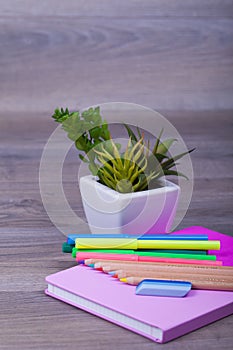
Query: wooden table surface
{"points": [[172, 56]]}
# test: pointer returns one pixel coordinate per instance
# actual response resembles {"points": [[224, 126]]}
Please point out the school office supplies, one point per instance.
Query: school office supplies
{"points": [[132, 243], [163, 288], [145, 253], [176, 251], [168, 253], [178, 269], [103, 296], [200, 237], [134, 257], [200, 278], [225, 253], [201, 282], [67, 248]]}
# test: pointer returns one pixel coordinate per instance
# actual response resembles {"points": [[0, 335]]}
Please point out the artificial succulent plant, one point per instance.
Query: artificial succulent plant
{"points": [[137, 168]]}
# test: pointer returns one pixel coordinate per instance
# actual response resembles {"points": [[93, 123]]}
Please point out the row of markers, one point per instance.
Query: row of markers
{"points": [[184, 249], [154, 261]]}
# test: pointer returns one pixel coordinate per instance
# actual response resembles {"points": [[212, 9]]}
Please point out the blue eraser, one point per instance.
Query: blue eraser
{"points": [[163, 288]]}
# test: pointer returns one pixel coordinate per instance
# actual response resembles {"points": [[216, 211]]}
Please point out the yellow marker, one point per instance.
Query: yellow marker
{"points": [[129, 243], [106, 243]]}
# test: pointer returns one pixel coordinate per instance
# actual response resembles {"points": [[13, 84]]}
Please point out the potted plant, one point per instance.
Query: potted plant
{"points": [[127, 191]]}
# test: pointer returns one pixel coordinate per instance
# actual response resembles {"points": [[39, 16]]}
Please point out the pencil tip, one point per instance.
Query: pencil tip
{"points": [[123, 280], [91, 265], [112, 273], [81, 262]]}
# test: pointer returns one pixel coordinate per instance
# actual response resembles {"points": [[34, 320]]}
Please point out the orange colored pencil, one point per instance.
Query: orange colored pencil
{"points": [[196, 284], [139, 263], [178, 275]]}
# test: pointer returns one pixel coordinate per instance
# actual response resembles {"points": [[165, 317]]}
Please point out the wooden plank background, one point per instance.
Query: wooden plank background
{"points": [[173, 56]]}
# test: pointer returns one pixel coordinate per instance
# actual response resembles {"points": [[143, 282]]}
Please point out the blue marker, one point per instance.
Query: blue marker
{"points": [[72, 237]]}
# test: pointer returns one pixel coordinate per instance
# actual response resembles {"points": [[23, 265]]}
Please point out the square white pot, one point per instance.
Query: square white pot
{"points": [[108, 211]]}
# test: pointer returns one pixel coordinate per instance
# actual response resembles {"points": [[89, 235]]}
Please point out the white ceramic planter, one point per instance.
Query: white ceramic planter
{"points": [[108, 211]]}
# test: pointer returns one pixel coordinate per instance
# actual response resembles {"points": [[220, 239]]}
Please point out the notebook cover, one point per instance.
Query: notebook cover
{"points": [[225, 254], [174, 316]]}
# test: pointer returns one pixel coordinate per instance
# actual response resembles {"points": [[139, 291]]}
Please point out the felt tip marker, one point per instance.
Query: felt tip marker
{"points": [[134, 244], [145, 253], [201, 237]]}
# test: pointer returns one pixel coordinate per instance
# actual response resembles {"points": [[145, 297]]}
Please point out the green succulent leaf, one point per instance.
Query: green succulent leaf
{"points": [[72, 126], [60, 115], [125, 171], [174, 172], [139, 133], [95, 133], [86, 129], [131, 133], [165, 145], [80, 143], [171, 162], [92, 115], [155, 149], [83, 158], [93, 169], [160, 157]]}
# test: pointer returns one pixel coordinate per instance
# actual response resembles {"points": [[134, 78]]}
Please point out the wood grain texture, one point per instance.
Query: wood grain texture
{"points": [[173, 56], [126, 54], [121, 8]]}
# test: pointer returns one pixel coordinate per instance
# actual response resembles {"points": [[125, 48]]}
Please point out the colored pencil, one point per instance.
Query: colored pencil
{"points": [[183, 274], [216, 278], [205, 283], [137, 270], [126, 265]]}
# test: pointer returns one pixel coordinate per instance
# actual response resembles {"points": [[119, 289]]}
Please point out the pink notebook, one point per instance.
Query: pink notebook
{"points": [[225, 254], [158, 318]]}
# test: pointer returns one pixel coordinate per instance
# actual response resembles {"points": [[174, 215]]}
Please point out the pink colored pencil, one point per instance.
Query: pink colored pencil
{"points": [[139, 258]]}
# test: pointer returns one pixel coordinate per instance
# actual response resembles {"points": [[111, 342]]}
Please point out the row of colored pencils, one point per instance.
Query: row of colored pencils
{"points": [[201, 277]]}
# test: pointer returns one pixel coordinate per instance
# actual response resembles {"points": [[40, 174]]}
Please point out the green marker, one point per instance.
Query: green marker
{"points": [[146, 253]]}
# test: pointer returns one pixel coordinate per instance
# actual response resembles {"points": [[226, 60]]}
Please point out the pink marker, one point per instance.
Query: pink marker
{"points": [[134, 257]]}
